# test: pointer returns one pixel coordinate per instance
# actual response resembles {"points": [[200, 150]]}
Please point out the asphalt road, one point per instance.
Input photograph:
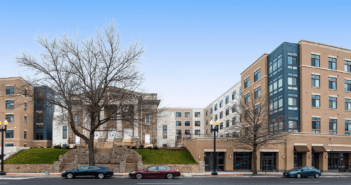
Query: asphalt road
{"points": [[181, 181]]}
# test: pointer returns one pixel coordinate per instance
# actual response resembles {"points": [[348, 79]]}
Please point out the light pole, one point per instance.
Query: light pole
{"points": [[214, 130], [2, 147]]}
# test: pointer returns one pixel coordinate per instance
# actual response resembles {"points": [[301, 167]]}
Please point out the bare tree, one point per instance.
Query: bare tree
{"points": [[258, 128], [91, 76]]}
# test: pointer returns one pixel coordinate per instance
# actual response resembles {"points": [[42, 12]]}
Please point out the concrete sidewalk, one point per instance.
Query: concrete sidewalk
{"points": [[184, 175]]}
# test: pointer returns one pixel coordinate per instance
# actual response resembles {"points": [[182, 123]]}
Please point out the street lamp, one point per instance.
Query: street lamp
{"points": [[2, 147], [214, 130]]}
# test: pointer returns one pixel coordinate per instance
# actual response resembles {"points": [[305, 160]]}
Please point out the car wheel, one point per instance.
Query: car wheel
{"points": [[70, 176], [298, 175], [316, 175], [169, 176], [139, 176], [101, 176]]}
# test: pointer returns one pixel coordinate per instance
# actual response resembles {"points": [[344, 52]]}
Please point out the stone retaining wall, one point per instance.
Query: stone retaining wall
{"points": [[29, 168]]}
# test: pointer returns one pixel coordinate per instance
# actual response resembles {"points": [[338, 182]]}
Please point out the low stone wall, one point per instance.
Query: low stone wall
{"points": [[184, 168], [114, 167], [29, 168]]}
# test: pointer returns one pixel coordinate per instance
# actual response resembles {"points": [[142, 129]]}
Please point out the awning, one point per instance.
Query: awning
{"points": [[318, 149], [301, 149]]}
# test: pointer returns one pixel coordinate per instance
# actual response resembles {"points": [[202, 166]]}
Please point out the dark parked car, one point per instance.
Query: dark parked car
{"points": [[303, 172], [86, 171], [155, 171]]}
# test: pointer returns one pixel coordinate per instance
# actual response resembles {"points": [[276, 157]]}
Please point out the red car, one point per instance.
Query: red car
{"points": [[155, 171]]}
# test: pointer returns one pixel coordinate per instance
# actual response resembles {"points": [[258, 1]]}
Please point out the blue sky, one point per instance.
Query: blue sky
{"points": [[195, 50]]}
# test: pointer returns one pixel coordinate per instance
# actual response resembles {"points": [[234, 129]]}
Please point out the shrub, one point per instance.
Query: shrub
{"points": [[141, 146], [57, 146], [134, 147], [149, 147], [155, 148], [67, 147]]}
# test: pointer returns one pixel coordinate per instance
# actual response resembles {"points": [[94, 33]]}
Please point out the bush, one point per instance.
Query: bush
{"points": [[67, 147], [41, 147], [155, 148], [134, 147], [141, 146], [57, 146], [149, 147]]}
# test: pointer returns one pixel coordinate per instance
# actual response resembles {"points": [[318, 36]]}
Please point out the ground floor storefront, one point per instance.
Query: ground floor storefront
{"points": [[325, 152]]}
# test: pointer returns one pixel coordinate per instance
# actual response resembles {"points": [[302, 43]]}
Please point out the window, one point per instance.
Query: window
{"points": [[39, 117], [187, 114], [187, 132], [348, 85], [164, 132], [292, 81], [233, 95], [332, 63], [9, 145], [178, 132], [197, 123], [221, 104], [234, 121], [276, 85], [10, 118], [348, 127], [275, 66], [247, 82], [9, 133], [257, 109], [234, 108], [178, 114], [239, 90], [292, 125], [347, 66], [25, 120], [247, 131], [315, 60], [227, 123], [257, 75], [257, 92], [221, 125], [64, 132], [215, 108], [39, 136], [25, 106], [292, 61], [178, 123], [347, 104], [276, 105], [332, 102], [315, 80], [10, 90], [39, 125], [211, 110], [25, 92], [332, 126], [247, 114], [187, 123], [292, 101], [247, 98], [77, 119], [207, 122], [221, 115], [197, 114], [25, 134], [332, 83], [206, 112], [316, 101], [10, 104], [216, 117], [227, 112], [316, 122], [197, 132], [147, 119], [227, 99]]}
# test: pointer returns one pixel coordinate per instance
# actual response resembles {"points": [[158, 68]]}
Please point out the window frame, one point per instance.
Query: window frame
{"points": [[314, 79], [315, 57], [247, 82], [316, 98], [314, 128], [332, 100], [332, 82], [332, 63], [257, 75]]}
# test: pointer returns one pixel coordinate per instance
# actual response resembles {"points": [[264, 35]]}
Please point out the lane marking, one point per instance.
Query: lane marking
{"points": [[159, 183], [305, 182]]}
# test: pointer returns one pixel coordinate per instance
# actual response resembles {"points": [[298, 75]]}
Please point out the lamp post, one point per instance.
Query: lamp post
{"points": [[2, 147], [214, 130]]}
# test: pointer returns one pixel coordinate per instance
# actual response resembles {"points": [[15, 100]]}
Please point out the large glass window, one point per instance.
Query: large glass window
{"points": [[275, 66], [215, 107], [332, 102], [316, 99], [197, 123], [332, 63], [257, 75], [187, 114], [292, 81], [178, 123], [187, 132], [347, 104], [227, 111], [10, 90], [147, 119], [227, 123], [10, 118], [292, 126], [233, 95], [9, 134], [257, 109], [178, 114], [221, 104], [221, 115], [347, 66], [64, 132], [221, 125], [315, 60], [316, 122], [257, 92], [292, 60], [247, 82], [315, 81], [247, 98], [276, 105], [10, 104], [276, 85], [348, 85], [234, 108], [227, 99], [164, 132], [332, 126], [39, 125], [197, 132], [39, 136], [25, 134], [332, 83], [292, 101], [187, 123], [348, 127]]}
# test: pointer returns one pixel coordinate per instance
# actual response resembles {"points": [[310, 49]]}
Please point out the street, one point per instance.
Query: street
{"points": [[185, 181]]}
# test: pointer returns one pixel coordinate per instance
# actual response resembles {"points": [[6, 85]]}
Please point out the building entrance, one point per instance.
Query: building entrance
{"points": [[209, 157], [268, 160], [338, 161], [242, 161], [315, 160]]}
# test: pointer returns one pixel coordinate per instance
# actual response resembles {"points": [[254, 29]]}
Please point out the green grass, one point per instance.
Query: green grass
{"points": [[37, 156], [166, 156]]}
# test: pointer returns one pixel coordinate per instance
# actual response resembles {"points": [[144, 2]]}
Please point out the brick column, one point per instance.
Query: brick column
{"points": [[323, 161]]}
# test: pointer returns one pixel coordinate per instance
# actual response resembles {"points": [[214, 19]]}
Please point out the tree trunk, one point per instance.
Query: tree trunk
{"points": [[254, 160], [91, 150]]}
